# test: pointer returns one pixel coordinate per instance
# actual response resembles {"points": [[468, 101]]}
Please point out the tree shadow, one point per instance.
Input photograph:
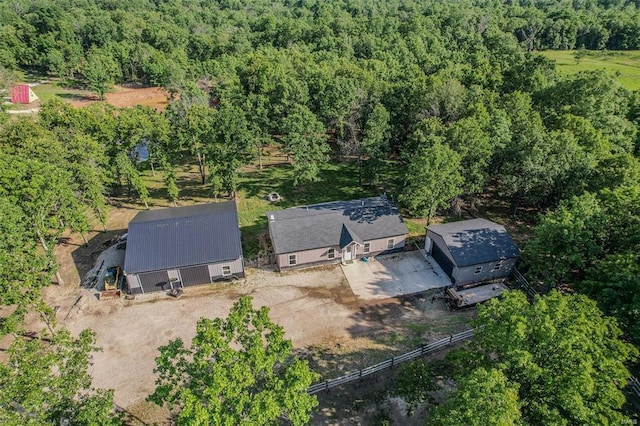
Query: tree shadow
{"points": [[85, 257]]}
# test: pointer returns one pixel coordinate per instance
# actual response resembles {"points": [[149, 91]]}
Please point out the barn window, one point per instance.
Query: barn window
{"points": [[478, 269], [390, 243], [226, 270], [331, 253], [292, 259], [497, 266], [367, 247]]}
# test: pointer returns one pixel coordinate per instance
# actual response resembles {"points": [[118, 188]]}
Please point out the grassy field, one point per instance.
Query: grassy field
{"points": [[624, 64]]}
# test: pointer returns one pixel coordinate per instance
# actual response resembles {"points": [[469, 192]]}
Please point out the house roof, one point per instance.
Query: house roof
{"points": [[337, 223], [182, 236], [476, 241]]}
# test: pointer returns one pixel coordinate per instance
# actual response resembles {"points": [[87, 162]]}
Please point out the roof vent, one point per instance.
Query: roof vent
{"points": [[272, 218]]}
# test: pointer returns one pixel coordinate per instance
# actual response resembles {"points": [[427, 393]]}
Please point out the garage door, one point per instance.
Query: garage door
{"points": [[443, 260], [195, 275], [154, 281]]}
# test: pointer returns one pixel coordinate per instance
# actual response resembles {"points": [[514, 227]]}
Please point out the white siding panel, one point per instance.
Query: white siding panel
{"points": [[215, 270]]}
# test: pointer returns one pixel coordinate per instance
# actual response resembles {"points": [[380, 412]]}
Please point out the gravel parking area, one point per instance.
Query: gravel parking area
{"points": [[313, 306]]}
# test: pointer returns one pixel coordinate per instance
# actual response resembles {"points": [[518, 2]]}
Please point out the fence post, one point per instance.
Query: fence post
{"points": [[326, 385], [422, 345], [450, 339], [392, 360]]}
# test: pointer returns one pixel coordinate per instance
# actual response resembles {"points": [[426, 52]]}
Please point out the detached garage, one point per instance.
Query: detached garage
{"points": [[183, 246], [472, 251]]}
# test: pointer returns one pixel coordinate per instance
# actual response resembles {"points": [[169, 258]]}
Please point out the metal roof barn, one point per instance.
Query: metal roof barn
{"points": [[167, 239]]}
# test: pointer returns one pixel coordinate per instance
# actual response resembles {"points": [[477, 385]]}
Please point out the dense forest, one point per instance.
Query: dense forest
{"points": [[453, 96]]}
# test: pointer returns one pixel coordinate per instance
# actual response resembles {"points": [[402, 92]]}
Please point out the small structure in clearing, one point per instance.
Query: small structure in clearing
{"points": [[22, 94]]}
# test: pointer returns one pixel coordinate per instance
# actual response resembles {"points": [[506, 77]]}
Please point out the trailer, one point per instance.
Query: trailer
{"points": [[464, 296]]}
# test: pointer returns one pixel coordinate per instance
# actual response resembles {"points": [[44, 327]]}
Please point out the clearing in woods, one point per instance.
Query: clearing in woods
{"points": [[625, 65]]}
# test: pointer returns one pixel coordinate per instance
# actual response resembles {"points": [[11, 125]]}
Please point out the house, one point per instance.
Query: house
{"points": [[339, 231], [472, 250], [22, 94], [183, 246]]}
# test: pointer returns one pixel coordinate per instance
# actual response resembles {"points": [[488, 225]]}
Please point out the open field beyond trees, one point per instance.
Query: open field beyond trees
{"points": [[623, 64]]}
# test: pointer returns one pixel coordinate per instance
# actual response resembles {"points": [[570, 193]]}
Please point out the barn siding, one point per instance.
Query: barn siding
{"points": [[237, 269], [467, 274]]}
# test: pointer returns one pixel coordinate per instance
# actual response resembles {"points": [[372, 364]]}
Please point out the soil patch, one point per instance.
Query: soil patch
{"points": [[122, 96]]}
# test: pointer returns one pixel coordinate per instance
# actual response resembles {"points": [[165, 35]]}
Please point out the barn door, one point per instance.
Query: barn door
{"points": [[443, 260], [154, 281], [195, 275]]}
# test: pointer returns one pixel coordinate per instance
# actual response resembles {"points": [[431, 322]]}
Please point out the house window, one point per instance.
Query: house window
{"points": [[226, 270], [292, 259], [367, 247], [331, 253], [497, 266], [478, 269], [390, 243]]}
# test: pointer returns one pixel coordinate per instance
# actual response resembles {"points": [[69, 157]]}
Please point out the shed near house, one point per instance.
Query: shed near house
{"points": [[335, 231], [472, 250], [22, 94], [183, 246]]}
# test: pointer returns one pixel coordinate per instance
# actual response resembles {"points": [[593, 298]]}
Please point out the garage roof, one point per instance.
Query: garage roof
{"points": [[476, 241], [183, 236], [337, 223]]}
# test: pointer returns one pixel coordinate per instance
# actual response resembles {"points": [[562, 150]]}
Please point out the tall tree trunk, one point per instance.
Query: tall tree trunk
{"points": [[102, 221], [260, 156], [153, 171], [201, 167], [146, 205], [59, 278], [359, 168], [84, 238]]}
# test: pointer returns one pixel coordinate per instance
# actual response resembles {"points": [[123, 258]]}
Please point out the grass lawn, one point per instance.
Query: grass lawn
{"points": [[624, 64]]}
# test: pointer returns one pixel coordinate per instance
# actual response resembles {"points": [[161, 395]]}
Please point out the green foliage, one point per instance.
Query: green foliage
{"points": [[565, 358], [485, 397], [238, 370], [413, 384], [46, 382], [100, 72], [432, 179]]}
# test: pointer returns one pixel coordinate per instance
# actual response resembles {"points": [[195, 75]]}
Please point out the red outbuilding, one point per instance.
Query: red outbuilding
{"points": [[22, 94]]}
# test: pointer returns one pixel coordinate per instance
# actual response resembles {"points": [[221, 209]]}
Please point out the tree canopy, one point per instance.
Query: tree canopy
{"points": [[238, 370]]}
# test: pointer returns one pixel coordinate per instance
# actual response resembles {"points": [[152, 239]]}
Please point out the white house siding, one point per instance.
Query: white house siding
{"points": [[380, 245], [309, 257], [468, 274], [317, 256], [237, 270]]}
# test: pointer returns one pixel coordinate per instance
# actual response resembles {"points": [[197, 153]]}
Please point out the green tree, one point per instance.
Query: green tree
{"points": [[484, 398], [432, 179], [100, 71], [238, 370], [413, 384], [304, 139], [374, 143], [46, 382], [564, 357], [614, 283]]}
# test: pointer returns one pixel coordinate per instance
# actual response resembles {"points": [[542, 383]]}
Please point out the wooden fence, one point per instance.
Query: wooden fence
{"points": [[523, 284], [390, 363]]}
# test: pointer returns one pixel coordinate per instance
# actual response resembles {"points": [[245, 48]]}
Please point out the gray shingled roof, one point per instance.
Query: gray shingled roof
{"points": [[476, 241], [333, 224], [182, 236]]}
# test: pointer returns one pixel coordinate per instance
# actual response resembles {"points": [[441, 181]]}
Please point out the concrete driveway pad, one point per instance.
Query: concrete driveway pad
{"points": [[394, 275]]}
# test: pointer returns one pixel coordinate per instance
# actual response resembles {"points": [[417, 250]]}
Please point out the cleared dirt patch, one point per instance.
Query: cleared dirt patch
{"points": [[123, 96]]}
